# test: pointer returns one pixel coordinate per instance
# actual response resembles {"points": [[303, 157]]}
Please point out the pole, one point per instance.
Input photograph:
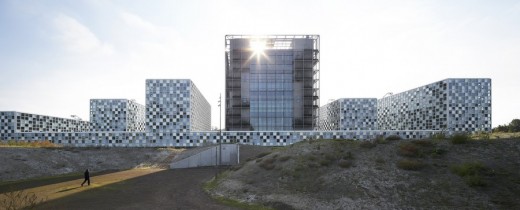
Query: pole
{"points": [[220, 127]]}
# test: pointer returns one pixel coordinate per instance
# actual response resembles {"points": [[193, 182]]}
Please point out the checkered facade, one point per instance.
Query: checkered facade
{"points": [[178, 115], [173, 108], [116, 115], [199, 138], [349, 114], [18, 122], [453, 105]]}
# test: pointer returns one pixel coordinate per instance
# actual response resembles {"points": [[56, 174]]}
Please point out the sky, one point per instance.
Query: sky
{"points": [[57, 55]]}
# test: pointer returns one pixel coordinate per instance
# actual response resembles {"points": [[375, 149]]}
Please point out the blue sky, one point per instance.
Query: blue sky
{"points": [[56, 55]]}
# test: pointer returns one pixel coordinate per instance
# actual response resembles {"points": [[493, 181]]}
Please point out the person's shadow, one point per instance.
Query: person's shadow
{"points": [[69, 189]]}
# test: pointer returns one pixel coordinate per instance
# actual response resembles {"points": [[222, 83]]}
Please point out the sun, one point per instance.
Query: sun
{"points": [[258, 46]]}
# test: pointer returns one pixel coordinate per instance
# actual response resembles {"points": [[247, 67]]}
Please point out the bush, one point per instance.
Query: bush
{"points": [[408, 149], [380, 140], [459, 138], [423, 143], [410, 165], [367, 144], [393, 138], [345, 163], [468, 168], [285, 158], [471, 172], [439, 136]]}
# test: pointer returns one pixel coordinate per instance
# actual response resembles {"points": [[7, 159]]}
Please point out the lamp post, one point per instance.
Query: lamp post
{"points": [[220, 128]]}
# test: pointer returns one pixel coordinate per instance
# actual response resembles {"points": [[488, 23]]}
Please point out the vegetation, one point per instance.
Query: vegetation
{"points": [[409, 164], [513, 126], [459, 138], [37, 144], [19, 200], [367, 144], [393, 138], [471, 172]]}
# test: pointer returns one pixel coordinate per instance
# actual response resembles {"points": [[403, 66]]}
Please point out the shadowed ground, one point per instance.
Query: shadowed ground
{"points": [[160, 189]]}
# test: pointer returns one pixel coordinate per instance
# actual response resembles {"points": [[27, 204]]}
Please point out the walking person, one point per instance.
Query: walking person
{"points": [[87, 178]]}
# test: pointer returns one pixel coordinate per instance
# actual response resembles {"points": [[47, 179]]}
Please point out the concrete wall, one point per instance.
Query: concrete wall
{"points": [[210, 157]]}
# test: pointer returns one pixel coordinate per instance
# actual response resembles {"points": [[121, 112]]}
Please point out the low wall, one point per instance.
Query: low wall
{"points": [[210, 157]]}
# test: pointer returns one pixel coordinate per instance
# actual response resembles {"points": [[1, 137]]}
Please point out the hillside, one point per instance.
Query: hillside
{"points": [[383, 174], [23, 163]]}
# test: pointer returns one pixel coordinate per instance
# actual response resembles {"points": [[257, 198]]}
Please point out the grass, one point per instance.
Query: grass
{"points": [[284, 158], [410, 165], [213, 183], [28, 144], [393, 138], [367, 144], [471, 172], [19, 200], [262, 154], [408, 149], [240, 205], [345, 163], [459, 138]]}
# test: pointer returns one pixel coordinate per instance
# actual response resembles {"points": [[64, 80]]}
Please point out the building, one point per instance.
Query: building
{"points": [[453, 105], [348, 114], [19, 122], [175, 107], [116, 115], [272, 82]]}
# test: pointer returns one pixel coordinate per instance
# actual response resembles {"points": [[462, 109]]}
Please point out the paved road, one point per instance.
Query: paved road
{"points": [[166, 189]]}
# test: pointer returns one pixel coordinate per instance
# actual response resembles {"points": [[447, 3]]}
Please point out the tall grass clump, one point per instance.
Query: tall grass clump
{"points": [[471, 172], [19, 200], [410, 165], [35, 144], [393, 138], [459, 138]]}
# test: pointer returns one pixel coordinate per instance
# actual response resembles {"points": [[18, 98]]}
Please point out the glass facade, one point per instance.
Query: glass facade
{"points": [[273, 89]]}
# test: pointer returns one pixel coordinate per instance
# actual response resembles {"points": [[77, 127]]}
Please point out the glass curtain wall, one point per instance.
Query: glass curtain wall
{"points": [[274, 89]]}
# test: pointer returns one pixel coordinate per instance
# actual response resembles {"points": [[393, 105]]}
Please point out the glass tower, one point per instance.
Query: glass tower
{"points": [[272, 82]]}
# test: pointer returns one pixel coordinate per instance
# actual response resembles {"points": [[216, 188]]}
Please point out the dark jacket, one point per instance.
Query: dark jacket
{"points": [[87, 174]]}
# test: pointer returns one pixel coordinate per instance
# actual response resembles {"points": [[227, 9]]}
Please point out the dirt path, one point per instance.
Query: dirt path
{"points": [[135, 189]]}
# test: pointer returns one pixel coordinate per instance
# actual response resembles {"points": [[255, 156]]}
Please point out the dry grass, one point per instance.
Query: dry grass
{"points": [[35, 144], [410, 165], [408, 149], [19, 200]]}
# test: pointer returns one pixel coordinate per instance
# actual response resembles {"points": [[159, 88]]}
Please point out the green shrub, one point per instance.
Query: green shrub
{"points": [[393, 138], [471, 172], [459, 138], [266, 165], [468, 168], [439, 136], [439, 151], [348, 156], [284, 158], [410, 165], [408, 149], [423, 143], [262, 154], [367, 144], [325, 162], [475, 181], [380, 140], [345, 163]]}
